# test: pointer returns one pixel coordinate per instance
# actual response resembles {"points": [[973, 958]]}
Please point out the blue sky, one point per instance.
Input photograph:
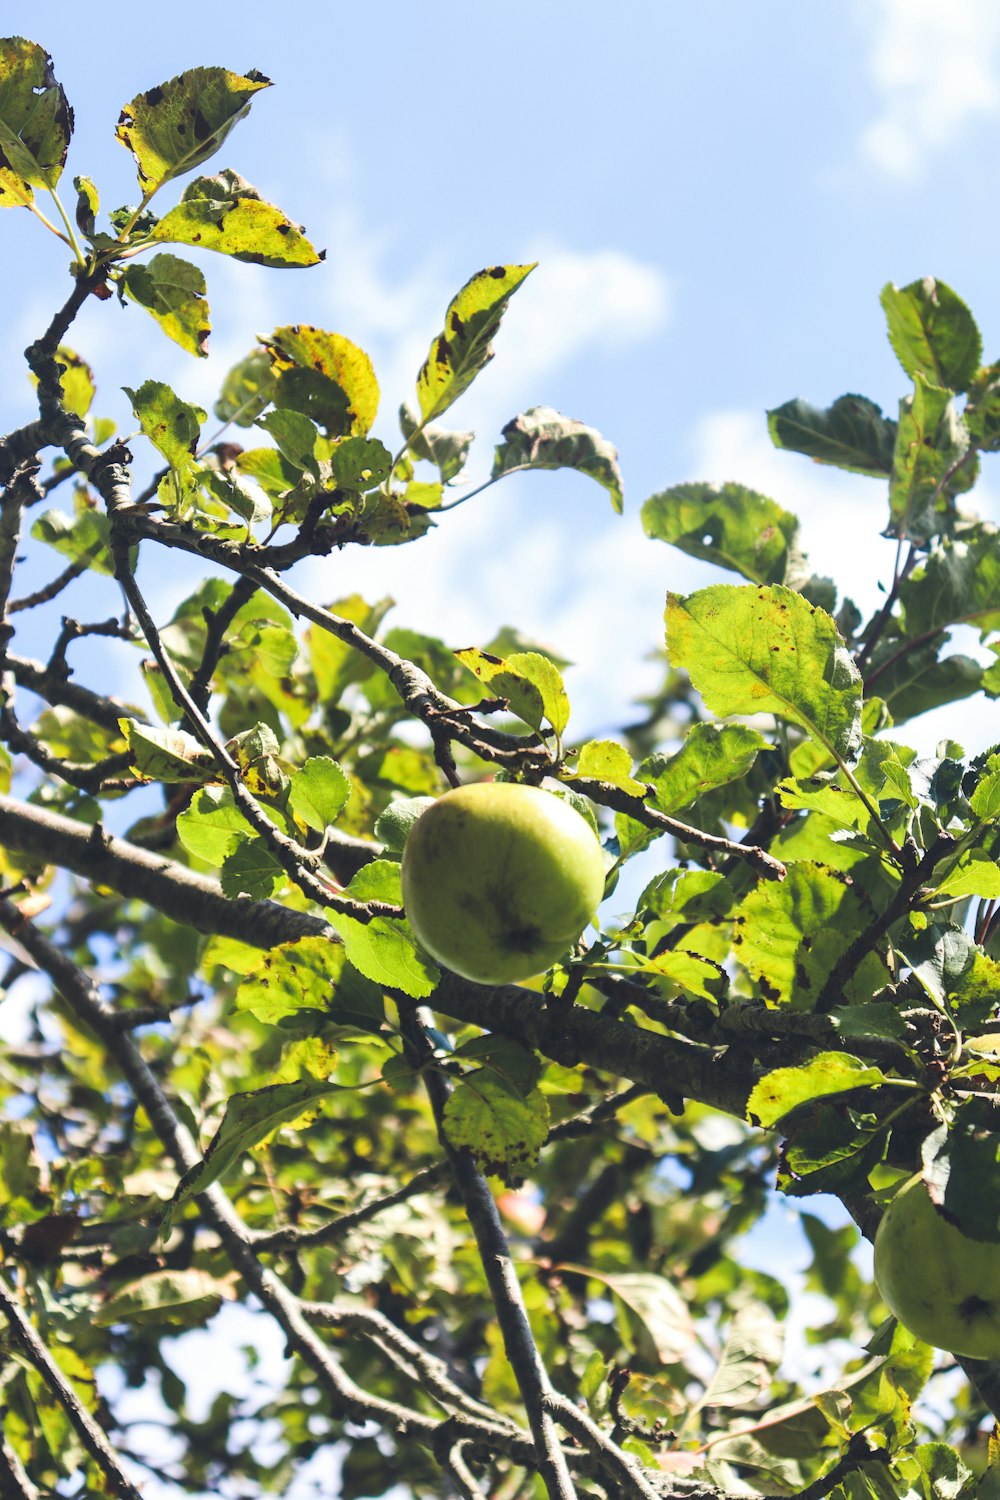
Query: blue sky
{"points": [[715, 194]]}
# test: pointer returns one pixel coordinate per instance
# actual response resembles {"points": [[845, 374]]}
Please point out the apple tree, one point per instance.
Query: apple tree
{"points": [[497, 1227]]}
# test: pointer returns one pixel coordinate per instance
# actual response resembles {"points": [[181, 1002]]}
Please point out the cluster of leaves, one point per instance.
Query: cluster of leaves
{"points": [[245, 1080]]}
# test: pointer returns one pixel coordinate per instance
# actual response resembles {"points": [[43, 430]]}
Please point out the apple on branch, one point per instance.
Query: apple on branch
{"points": [[499, 880], [944, 1286]]}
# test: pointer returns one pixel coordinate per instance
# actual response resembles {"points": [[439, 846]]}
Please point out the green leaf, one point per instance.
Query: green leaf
{"points": [[229, 487], [728, 525], [393, 824], [913, 682], [503, 1130], [841, 804], [712, 755], [750, 1356], [270, 469], [385, 950], [957, 583], [513, 1063], [226, 214], [976, 873], [246, 390], [82, 538], [292, 977], [447, 451], [77, 381], [359, 463], [607, 760], [173, 291], [249, 1119], [295, 436], [789, 936], [932, 332], [325, 376], [169, 755], [36, 122], [173, 426], [87, 205], [173, 128], [463, 347], [784, 1089], [530, 682], [319, 792], [251, 870], [655, 1315], [961, 1166], [851, 434], [212, 827], [691, 972], [543, 438], [931, 440], [176, 1299], [767, 650]]}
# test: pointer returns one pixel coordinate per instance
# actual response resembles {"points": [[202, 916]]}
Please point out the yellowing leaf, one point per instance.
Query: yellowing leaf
{"points": [[36, 122], [173, 128], [784, 1089], [464, 345], [324, 376]]}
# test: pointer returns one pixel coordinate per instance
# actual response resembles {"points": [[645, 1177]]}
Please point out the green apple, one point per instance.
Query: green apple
{"points": [[942, 1285], [500, 879]]}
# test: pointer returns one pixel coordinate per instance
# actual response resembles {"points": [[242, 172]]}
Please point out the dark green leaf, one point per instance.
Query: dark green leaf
{"points": [[932, 332], [728, 525], [249, 1119], [851, 434], [543, 438], [447, 451], [359, 463]]}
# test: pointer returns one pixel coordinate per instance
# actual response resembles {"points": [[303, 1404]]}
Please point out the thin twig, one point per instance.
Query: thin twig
{"points": [[89, 1433], [501, 1278], [619, 800]]}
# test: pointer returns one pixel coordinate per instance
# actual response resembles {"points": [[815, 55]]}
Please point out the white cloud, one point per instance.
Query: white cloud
{"points": [[936, 68]]}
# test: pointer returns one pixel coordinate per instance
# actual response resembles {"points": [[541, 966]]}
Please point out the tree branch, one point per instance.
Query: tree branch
{"points": [[89, 1433]]}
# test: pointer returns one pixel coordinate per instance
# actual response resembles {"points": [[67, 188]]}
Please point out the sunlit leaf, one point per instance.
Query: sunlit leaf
{"points": [[173, 291], [173, 128], [36, 122], [767, 650], [226, 214], [464, 345]]}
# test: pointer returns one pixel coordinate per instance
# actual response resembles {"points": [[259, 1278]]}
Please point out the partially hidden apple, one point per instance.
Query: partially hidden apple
{"points": [[500, 879], [944, 1286]]}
